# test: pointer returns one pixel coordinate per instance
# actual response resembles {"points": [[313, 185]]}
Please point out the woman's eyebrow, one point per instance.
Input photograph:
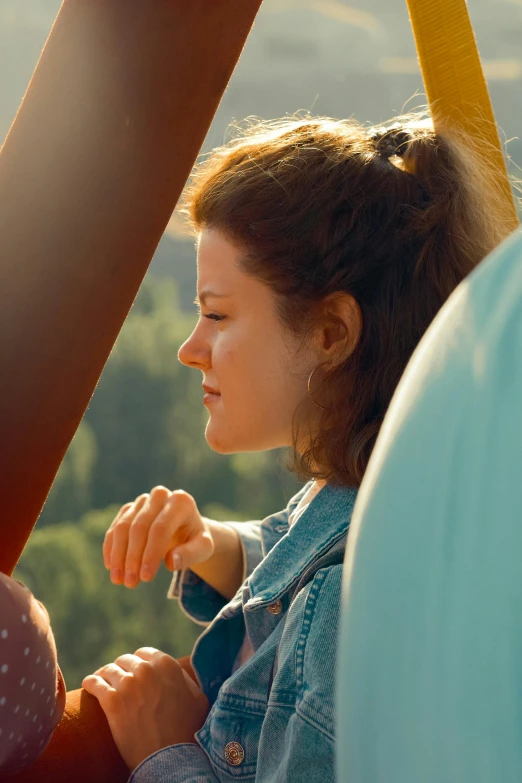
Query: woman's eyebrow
{"points": [[207, 294]]}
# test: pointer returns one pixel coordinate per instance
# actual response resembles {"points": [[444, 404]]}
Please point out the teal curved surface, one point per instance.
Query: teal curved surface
{"points": [[430, 659]]}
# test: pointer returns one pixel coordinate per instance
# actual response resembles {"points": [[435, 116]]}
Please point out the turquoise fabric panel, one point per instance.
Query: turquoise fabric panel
{"points": [[430, 661]]}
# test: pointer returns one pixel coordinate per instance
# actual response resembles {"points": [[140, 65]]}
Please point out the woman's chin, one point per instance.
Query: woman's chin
{"points": [[219, 448], [219, 444], [225, 443]]}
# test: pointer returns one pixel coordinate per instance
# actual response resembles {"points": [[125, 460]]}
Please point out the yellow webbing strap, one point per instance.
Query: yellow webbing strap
{"points": [[454, 81]]}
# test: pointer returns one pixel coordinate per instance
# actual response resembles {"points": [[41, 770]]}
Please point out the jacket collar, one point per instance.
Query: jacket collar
{"points": [[322, 523]]}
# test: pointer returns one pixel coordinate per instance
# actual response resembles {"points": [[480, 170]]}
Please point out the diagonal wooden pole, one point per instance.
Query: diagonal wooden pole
{"points": [[113, 119], [455, 85], [116, 112]]}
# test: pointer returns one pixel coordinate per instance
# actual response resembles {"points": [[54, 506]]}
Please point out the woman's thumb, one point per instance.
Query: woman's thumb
{"points": [[197, 550], [173, 560]]}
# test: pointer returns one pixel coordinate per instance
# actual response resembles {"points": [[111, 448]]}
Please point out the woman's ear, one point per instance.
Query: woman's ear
{"points": [[342, 327]]}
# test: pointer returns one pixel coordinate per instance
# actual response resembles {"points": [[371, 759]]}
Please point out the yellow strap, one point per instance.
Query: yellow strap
{"points": [[454, 81]]}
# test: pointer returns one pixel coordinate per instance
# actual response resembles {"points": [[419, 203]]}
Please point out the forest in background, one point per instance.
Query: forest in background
{"points": [[145, 423]]}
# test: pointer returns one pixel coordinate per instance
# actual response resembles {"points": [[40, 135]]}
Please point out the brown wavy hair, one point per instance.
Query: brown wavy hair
{"points": [[396, 217]]}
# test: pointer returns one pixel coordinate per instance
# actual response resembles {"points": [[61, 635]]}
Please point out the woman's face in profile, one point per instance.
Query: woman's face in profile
{"points": [[253, 375]]}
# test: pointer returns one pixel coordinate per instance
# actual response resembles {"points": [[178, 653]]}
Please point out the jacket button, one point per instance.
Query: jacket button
{"points": [[234, 753], [275, 608]]}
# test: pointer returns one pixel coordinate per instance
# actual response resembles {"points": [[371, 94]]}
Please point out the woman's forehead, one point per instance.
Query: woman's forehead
{"points": [[219, 272], [217, 256], [224, 281]]}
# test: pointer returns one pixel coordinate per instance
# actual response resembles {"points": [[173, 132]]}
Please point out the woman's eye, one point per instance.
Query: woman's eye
{"points": [[210, 316], [213, 316]]}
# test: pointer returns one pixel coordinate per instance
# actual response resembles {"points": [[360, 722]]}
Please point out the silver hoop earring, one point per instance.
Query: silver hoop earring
{"points": [[309, 387]]}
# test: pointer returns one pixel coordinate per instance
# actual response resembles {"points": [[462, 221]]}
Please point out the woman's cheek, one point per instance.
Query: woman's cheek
{"points": [[225, 361]]}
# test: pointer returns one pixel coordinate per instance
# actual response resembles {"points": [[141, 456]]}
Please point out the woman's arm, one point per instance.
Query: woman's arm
{"points": [[224, 571]]}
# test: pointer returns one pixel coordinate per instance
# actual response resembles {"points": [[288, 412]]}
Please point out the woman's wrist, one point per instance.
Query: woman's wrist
{"points": [[224, 569]]}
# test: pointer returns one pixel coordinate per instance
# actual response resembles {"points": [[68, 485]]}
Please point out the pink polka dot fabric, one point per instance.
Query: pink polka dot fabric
{"points": [[29, 707]]}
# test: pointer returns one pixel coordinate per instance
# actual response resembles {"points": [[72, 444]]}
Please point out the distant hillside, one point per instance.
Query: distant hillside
{"points": [[177, 258]]}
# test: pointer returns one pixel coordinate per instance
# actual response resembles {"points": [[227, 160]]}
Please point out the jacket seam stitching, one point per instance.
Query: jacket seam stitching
{"points": [[308, 613], [295, 578], [315, 724]]}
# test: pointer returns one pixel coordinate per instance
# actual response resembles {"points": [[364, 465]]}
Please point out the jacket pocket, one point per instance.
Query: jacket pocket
{"points": [[231, 734]]}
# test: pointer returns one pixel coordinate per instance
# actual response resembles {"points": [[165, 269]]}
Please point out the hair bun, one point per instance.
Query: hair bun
{"points": [[390, 142]]}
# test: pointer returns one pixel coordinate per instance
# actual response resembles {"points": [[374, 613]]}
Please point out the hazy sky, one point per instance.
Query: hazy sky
{"points": [[333, 56]]}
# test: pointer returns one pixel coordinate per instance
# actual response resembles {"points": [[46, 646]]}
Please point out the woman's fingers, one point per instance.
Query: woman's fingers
{"points": [[143, 534], [120, 539], [156, 660], [111, 675], [175, 515], [138, 534], [149, 703], [97, 687], [109, 678], [107, 542], [129, 663], [146, 653], [172, 561]]}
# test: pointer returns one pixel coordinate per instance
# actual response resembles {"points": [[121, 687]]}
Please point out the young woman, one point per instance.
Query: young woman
{"points": [[32, 690], [324, 252]]}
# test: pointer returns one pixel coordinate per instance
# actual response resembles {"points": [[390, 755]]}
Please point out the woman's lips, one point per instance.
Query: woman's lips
{"points": [[211, 395]]}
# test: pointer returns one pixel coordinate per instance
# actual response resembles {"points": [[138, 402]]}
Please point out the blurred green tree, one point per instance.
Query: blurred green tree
{"points": [[72, 491], [93, 620]]}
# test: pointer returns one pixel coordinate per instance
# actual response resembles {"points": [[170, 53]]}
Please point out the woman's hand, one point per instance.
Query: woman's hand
{"points": [[149, 701], [162, 525]]}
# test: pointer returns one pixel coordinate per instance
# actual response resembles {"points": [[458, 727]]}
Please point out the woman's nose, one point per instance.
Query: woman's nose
{"points": [[195, 352]]}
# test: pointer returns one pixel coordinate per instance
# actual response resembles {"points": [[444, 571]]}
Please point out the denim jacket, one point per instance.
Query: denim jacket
{"points": [[273, 718]]}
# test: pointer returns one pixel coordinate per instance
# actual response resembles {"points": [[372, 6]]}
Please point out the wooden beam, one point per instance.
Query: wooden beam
{"points": [[116, 112]]}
